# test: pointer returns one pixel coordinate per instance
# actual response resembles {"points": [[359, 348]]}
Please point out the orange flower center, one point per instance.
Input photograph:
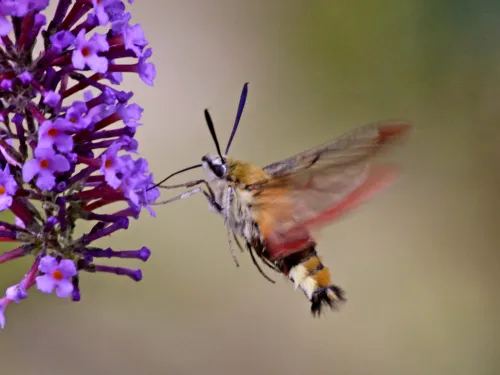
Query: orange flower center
{"points": [[108, 164], [2, 190], [52, 132], [44, 163], [73, 120], [85, 51], [57, 275]]}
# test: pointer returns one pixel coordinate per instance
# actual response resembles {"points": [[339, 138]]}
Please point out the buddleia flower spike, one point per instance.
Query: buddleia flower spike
{"points": [[67, 140]]}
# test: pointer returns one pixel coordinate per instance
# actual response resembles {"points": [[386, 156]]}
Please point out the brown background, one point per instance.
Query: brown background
{"points": [[419, 263]]}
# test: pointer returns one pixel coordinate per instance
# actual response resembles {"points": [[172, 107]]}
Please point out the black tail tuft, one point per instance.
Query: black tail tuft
{"points": [[332, 296]]}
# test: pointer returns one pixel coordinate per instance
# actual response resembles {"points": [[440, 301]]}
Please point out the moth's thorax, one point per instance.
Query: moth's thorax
{"points": [[238, 175], [246, 173]]}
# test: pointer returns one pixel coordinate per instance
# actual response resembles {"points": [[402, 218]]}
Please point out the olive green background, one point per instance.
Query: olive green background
{"points": [[419, 262]]}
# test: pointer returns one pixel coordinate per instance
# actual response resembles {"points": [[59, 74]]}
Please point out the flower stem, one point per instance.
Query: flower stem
{"points": [[81, 85], [18, 252], [135, 275], [120, 224], [142, 254], [77, 12]]}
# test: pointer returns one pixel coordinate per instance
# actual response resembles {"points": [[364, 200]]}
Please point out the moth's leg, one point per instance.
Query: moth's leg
{"points": [[184, 195], [190, 184], [188, 193], [227, 212], [251, 250], [238, 242]]}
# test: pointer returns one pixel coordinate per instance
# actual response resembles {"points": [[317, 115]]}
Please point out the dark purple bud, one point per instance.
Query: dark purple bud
{"points": [[7, 234], [75, 295], [61, 186], [144, 253], [6, 84], [50, 80], [50, 224], [25, 77], [61, 202]]}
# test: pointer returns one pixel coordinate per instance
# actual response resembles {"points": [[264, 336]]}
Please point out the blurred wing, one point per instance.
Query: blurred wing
{"points": [[351, 148], [315, 187]]}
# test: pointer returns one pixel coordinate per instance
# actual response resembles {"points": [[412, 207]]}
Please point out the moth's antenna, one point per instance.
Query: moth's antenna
{"points": [[174, 174], [241, 106], [243, 99], [212, 132]]}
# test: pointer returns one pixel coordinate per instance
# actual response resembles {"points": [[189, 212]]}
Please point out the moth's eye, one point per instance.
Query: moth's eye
{"points": [[219, 170]]}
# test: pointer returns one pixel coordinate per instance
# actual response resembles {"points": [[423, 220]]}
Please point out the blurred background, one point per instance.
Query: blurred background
{"points": [[419, 262]]}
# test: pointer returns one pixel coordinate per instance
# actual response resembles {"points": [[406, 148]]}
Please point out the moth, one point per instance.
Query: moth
{"points": [[275, 211]]}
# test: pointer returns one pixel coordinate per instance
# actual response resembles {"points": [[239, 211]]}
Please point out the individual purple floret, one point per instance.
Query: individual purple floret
{"points": [[56, 134], [64, 159], [131, 115], [77, 115], [57, 275], [8, 187], [86, 53], [44, 166]]}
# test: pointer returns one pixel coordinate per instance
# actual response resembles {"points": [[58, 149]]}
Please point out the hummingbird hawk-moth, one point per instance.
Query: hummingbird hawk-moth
{"points": [[275, 209]]}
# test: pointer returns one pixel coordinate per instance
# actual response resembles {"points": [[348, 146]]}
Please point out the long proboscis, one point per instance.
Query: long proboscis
{"points": [[174, 174]]}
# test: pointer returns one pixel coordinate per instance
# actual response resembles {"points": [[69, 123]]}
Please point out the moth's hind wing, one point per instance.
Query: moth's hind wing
{"points": [[304, 208]]}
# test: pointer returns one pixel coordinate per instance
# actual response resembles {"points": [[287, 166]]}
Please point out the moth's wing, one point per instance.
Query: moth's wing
{"points": [[350, 148], [315, 188], [286, 217]]}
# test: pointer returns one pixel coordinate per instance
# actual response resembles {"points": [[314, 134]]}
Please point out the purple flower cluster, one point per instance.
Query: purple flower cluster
{"points": [[67, 139]]}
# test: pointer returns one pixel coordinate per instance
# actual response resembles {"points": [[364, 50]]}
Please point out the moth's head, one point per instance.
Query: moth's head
{"points": [[215, 166]]}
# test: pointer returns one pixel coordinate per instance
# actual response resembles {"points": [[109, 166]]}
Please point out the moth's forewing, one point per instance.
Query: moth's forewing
{"points": [[351, 148], [314, 188]]}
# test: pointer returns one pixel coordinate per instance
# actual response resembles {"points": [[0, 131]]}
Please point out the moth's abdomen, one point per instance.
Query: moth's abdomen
{"points": [[308, 273]]}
